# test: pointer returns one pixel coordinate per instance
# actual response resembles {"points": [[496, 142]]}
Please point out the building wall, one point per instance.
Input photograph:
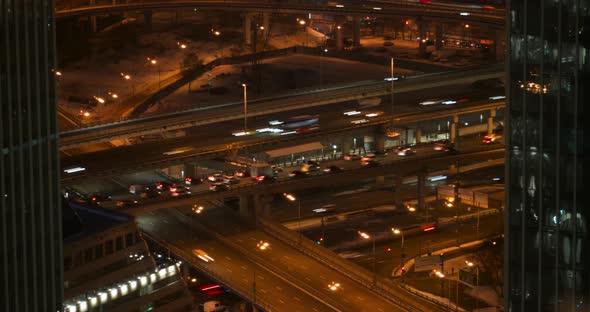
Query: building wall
{"points": [[547, 262], [31, 246]]}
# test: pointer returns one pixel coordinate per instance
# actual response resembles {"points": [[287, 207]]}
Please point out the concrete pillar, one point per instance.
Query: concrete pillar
{"points": [[455, 131], [497, 51], [247, 29], [147, 19], [244, 205], [438, 41], [422, 25], [92, 19], [346, 146], [265, 24], [491, 121], [397, 191], [420, 191], [339, 38], [356, 31], [380, 180], [418, 135], [379, 142]]}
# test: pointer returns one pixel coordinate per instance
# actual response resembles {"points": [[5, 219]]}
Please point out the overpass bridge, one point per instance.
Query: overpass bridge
{"points": [[282, 103], [290, 275], [101, 165], [399, 167], [494, 19]]}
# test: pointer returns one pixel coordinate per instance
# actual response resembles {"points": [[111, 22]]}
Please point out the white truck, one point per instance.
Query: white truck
{"points": [[261, 169]]}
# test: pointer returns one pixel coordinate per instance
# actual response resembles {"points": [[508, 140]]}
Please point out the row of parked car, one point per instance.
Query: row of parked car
{"points": [[161, 188]]}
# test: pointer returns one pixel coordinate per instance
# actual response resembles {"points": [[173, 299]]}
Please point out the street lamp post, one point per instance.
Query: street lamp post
{"points": [[245, 108], [367, 236], [392, 85], [402, 255], [293, 198]]}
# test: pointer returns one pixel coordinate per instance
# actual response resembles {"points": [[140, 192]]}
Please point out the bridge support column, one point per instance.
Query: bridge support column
{"points": [[438, 41], [265, 24], [147, 19], [491, 121], [339, 38], [418, 135], [247, 29], [346, 146], [92, 19], [422, 25], [397, 191], [455, 131], [244, 205], [356, 31], [379, 142], [420, 191], [380, 180], [497, 49]]}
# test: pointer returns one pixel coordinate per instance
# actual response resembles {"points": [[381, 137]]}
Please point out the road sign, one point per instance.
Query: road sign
{"points": [[427, 263]]}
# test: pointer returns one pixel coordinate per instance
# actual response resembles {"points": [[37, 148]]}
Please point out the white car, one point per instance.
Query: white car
{"points": [[202, 255]]}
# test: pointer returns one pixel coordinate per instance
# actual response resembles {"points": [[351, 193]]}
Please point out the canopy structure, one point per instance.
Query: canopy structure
{"points": [[308, 147]]}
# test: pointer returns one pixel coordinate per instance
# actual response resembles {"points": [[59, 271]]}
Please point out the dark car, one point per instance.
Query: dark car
{"points": [[97, 198], [192, 181], [370, 163], [265, 179], [332, 169], [162, 185], [149, 193], [242, 173], [216, 187], [297, 174]]}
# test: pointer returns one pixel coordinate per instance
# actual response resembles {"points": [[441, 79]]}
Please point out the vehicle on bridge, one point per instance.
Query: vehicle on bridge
{"points": [[218, 186], [406, 151], [297, 174], [332, 169], [202, 255], [231, 179], [301, 124], [192, 181], [491, 138], [216, 177], [351, 157]]}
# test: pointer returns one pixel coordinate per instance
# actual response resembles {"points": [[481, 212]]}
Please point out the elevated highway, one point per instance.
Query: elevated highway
{"points": [[399, 167], [234, 111], [431, 12], [153, 155], [281, 278]]}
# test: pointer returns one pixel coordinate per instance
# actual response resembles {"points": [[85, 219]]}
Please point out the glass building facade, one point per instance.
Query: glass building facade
{"points": [[547, 265], [31, 254]]}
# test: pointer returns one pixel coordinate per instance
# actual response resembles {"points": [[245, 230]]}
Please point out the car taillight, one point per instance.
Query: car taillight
{"points": [[428, 228], [188, 179], [260, 178]]}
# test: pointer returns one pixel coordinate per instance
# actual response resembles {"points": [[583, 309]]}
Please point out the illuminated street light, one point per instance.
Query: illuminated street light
{"points": [[197, 209], [333, 286], [216, 33], [262, 245], [245, 108], [57, 73], [99, 99], [466, 25], [411, 208], [293, 198], [181, 45], [113, 95], [397, 231], [367, 236], [301, 22], [125, 76]]}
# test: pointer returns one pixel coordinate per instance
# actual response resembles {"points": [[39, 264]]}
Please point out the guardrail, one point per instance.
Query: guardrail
{"points": [[189, 258], [280, 273], [354, 272]]}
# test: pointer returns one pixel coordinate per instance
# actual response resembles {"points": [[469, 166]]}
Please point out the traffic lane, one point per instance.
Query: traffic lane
{"points": [[230, 264], [388, 253], [297, 264], [350, 177], [202, 136]]}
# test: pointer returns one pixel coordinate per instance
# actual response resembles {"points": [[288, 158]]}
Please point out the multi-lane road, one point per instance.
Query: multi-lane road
{"points": [[285, 278]]}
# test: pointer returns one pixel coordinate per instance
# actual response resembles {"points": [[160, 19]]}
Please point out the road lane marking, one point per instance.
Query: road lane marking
{"points": [[228, 258], [278, 288], [360, 298], [260, 277], [322, 277], [263, 291], [379, 309], [243, 268], [245, 280], [297, 299], [315, 309], [281, 301], [230, 271]]}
